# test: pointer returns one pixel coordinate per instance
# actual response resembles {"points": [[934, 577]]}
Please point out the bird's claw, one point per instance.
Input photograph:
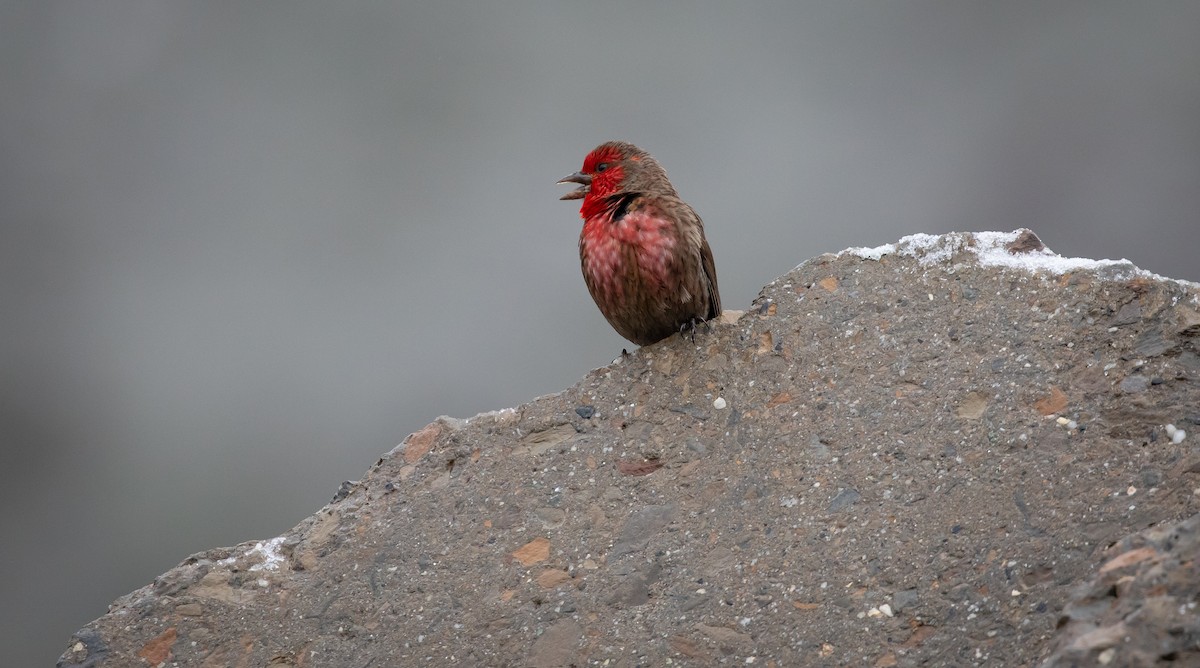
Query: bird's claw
{"points": [[688, 327]]}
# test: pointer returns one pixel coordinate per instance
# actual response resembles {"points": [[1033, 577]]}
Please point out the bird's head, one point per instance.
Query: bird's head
{"points": [[617, 168]]}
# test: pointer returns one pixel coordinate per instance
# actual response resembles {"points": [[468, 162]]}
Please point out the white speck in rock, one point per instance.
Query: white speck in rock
{"points": [[873, 253], [719, 403], [270, 553]]}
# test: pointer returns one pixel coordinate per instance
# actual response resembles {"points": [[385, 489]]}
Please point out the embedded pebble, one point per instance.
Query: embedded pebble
{"points": [[1134, 384], [905, 599], [844, 498]]}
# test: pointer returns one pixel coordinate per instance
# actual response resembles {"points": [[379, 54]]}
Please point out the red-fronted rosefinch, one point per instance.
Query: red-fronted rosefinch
{"points": [[645, 259]]}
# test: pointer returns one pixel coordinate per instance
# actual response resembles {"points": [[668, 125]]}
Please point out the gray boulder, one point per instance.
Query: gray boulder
{"points": [[939, 452]]}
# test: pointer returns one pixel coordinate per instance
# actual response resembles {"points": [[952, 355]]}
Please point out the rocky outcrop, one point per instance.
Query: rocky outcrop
{"points": [[948, 451]]}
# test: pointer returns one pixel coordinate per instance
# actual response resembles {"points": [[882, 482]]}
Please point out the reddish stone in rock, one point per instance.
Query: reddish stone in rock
{"points": [[421, 442], [638, 466], [532, 552], [158, 650], [551, 578], [1051, 403]]}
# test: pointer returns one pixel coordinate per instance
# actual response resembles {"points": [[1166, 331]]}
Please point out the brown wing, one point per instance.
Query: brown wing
{"points": [[710, 275], [703, 278]]}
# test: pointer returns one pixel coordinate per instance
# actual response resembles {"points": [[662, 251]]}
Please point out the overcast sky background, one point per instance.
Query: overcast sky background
{"points": [[247, 247]]}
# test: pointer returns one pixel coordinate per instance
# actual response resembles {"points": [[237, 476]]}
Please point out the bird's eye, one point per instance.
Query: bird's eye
{"points": [[601, 167]]}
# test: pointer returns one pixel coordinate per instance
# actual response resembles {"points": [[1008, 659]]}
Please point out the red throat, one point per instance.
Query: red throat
{"points": [[596, 201]]}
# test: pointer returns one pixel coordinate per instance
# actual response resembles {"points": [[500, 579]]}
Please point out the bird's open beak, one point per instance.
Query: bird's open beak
{"points": [[584, 181]]}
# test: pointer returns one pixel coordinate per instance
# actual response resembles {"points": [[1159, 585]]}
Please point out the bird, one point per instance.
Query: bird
{"points": [[642, 249]]}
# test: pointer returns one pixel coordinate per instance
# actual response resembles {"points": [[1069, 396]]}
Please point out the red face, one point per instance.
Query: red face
{"points": [[604, 166], [601, 175]]}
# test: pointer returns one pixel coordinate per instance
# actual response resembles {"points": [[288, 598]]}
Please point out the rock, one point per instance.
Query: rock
{"points": [[557, 646], [906, 598], [1140, 608], [844, 499], [1134, 384], [641, 526], [887, 440]]}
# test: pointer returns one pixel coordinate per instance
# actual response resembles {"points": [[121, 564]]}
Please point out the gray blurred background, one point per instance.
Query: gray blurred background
{"points": [[247, 247]]}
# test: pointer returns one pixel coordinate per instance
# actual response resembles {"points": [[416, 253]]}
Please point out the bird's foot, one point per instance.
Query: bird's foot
{"points": [[688, 327]]}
